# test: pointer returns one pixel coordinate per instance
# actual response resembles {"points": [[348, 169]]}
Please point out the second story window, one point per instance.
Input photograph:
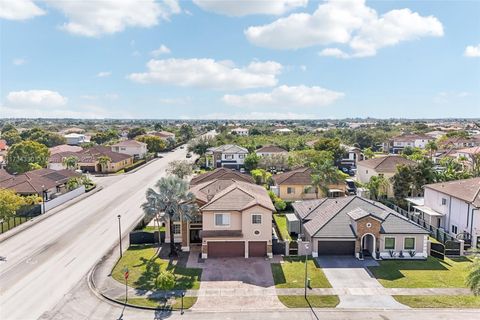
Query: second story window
{"points": [[291, 190], [241, 156], [222, 220], [229, 156], [176, 228], [256, 218], [444, 202]]}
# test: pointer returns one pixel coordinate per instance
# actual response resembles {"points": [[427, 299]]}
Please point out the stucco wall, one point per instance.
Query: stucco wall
{"points": [[420, 245]]}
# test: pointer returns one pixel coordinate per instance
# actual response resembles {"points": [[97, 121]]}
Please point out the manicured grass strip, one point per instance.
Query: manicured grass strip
{"points": [[439, 301], [430, 273], [145, 266], [315, 301], [175, 303], [153, 228], [291, 274], [281, 222]]}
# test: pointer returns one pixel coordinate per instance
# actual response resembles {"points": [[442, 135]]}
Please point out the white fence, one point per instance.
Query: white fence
{"points": [[63, 198]]}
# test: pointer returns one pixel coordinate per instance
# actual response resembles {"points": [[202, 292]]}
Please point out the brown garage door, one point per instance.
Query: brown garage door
{"points": [[257, 248], [218, 249], [336, 248]]}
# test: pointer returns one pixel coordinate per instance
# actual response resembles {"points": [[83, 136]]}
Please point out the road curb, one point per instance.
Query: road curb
{"points": [[92, 286], [26, 225]]}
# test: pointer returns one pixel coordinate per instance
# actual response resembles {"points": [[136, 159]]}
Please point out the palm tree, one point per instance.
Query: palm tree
{"points": [[323, 175], [171, 202], [70, 162], [103, 161], [473, 278], [378, 186], [431, 147]]}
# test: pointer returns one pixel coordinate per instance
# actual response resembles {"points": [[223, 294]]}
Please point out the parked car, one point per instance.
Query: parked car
{"points": [[181, 147], [242, 170], [189, 155], [351, 187]]}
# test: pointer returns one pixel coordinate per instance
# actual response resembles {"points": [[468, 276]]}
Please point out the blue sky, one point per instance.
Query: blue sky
{"points": [[248, 60]]}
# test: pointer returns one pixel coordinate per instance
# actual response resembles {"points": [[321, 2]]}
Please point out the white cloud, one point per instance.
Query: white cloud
{"points": [[103, 74], [163, 49], [256, 116], [286, 97], [19, 10], [472, 51], [95, 18], [350, 23], [36, 98], [85, 112], [19, 61], [245, 7], [208, 73]]}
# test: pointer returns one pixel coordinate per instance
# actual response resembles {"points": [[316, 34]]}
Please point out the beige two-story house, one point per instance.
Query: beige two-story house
{"points": [[234, 220]]}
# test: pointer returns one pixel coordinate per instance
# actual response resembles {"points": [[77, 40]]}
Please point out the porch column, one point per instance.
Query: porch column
{"points": [[185, 237]]}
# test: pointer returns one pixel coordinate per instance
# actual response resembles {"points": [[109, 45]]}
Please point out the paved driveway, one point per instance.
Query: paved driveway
{"points": [[348, 273], [237, 284]]}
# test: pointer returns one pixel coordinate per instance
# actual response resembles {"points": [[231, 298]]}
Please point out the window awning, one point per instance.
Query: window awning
{"points": [[428, 211], [418, 201]]}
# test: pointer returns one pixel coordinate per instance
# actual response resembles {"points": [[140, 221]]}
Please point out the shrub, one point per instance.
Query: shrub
{"points": [[166, 280]]}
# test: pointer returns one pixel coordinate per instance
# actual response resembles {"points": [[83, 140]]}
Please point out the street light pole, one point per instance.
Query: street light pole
{"points": [[43, 198], [120, 235], [306, 271]]}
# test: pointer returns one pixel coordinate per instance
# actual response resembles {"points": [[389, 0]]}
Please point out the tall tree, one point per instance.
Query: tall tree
{"points": [[154, 144], [431, 147], [10, 203], [331, 145], [70, 162], [170, 202], [378, 187], [23, 155], [251, 161], [186, 132], [200, 146], [325, 174], [134, 132], [180, 168]]}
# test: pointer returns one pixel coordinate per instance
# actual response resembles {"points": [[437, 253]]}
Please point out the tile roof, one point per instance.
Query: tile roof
{"points": [[162, 134], [64, 148], [386, 164], [240, 196], [229, 149], [410, 137], [221, 173], [466, 189], [472, 150], [271, 149], [332, 217], [129, 143], [301, 176], [90, 155], [35, 181], [207, 190], [3, 145]]}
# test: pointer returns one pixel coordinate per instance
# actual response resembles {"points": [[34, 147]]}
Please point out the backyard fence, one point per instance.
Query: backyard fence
{"points": [[143, 237], [437, 250], [20, 217], [435, 232]]}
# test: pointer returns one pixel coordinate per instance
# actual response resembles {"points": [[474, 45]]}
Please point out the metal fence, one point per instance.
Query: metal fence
{"points": [[20, 217], [435, 232]]}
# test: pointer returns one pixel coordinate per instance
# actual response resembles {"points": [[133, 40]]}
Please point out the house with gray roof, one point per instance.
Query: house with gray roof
{"points": [[359, 227], [228, 156]]}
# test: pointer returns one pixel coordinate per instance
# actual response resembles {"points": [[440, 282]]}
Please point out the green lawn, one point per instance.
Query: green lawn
{"points": [[439, 301], [174, 303], [144, 267], [432, 273], [291, 274], [281, 222], [153, 228], [315, 301]]}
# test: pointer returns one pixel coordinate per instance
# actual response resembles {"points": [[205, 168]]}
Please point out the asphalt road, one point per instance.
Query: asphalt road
{"points": [[44, 262], [82, 303]]}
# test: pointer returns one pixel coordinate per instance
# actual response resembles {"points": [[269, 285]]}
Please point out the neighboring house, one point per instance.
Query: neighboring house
{"points": [[46, 183], [88, 160], [229, 156], [297, 185], [165, 135], [469, 157], [64, 148], [381, 166], [223, 174], [436, 134], [398, 143], [235, 220], [453, 206], [239, 131], [75, 139], [353, 155], [270, 151], [282, 131], [133, 148], [459, 142], [3, 145], [359, 227]]}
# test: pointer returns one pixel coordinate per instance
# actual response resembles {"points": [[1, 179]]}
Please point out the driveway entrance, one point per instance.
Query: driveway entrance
{"points": [[351, 274], [237, 284]]}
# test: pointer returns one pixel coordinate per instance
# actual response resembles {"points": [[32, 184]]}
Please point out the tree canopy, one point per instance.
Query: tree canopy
{"points": [[23, 155]]}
